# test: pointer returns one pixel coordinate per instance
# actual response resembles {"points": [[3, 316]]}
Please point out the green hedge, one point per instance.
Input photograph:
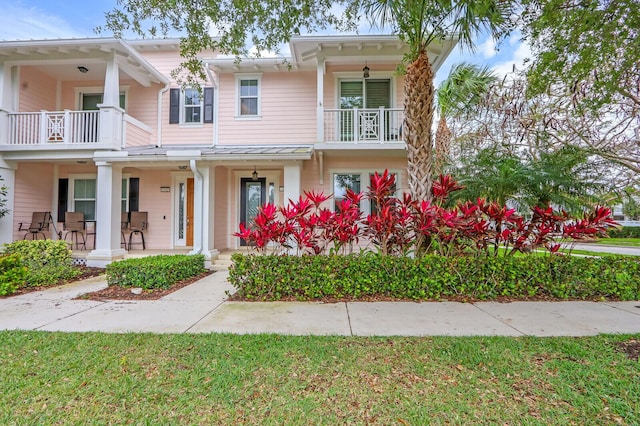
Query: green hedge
{"points": [[625, 232], [12, 274], [48, 262], [434, 277], [154, 271]]}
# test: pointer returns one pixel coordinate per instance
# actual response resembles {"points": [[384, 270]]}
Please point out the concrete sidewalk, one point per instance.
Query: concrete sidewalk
{"points": [[202, 308]]}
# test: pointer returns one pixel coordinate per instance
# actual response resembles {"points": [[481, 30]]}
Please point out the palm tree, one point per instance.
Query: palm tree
{"points": [[420, 23], [462, 90]]}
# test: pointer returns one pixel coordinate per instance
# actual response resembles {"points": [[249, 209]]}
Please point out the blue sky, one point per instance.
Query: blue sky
{"points": [[38, 19]]}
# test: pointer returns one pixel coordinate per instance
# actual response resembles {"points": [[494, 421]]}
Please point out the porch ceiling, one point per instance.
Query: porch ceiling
{"points": [[60, 59], [341, 49]]}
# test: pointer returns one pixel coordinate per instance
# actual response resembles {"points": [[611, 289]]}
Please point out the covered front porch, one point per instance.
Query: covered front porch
{"points": [[62, 95]]}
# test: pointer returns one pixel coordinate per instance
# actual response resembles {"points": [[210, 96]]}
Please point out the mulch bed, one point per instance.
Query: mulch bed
{"points": [[124, 293]]}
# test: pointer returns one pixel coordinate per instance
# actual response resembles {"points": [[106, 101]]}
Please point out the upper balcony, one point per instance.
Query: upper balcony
{"points": [[70, 130], [61, 95], [363, 125]]}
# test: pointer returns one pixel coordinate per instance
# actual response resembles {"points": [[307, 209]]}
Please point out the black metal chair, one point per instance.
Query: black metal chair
{"points": [[137, 225], [39, 223]]}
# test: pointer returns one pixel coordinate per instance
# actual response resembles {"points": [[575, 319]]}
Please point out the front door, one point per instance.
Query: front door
{"points": [[253, 194], [190, 211], [184, 212]]}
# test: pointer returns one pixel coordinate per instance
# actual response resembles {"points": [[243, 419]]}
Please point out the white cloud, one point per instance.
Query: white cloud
{"points": [[488, 48], [22, 23], [520, 52]]}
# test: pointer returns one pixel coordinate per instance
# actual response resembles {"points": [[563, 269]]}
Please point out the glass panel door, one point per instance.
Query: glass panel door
{"points": [[252, 196]]}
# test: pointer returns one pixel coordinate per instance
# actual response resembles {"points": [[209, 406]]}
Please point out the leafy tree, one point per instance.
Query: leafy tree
{"points": [[590, 46], [563, 178], [419, 23], [631, 208], [509, 121], [463, 89], [268, 23]]}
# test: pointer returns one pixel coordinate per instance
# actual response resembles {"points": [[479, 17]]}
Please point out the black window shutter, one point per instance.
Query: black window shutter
{"points": [[63, 198], [134, 194], [174, 106], [208, 104]]}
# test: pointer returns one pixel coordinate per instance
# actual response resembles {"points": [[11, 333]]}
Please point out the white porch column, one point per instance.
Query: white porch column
{"points": [[203, 215], [111, 115], [8, 84], [8, 174], [111, 95], [108, 197], [320, 97], [292, 181]]}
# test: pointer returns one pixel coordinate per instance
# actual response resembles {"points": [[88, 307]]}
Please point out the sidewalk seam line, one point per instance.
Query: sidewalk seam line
{"points": [[71, 315], [499, 320], [346, 305]]}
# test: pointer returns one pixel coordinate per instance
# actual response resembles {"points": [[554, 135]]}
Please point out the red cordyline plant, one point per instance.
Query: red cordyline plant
{"points": [[401, 226]]}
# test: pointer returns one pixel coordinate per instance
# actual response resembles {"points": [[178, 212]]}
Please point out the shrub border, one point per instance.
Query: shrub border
{"points": [[434, 277]]}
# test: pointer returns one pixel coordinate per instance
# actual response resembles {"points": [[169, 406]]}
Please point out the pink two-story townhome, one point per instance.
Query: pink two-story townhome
{"points": [[98, 126]]}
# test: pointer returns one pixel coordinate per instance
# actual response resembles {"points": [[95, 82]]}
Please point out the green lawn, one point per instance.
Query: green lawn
{"points": [[624, 242], [67, 378]]}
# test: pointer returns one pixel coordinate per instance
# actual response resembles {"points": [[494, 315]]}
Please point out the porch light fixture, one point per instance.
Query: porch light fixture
{"points": [[254, 175], [83, 69], [365, 70]]}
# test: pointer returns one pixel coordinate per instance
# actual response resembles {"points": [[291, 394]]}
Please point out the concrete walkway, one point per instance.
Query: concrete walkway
{"points": [[202, 308]]}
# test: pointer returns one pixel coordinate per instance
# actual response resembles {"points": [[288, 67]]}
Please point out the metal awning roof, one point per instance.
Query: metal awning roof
{"points": [[210, 153]]}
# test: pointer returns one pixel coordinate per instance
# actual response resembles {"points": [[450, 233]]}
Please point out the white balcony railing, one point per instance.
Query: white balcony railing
{"points": [[363, 125], [53, 127]]}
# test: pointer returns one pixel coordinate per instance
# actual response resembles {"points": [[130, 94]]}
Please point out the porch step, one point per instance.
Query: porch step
{"points": [[221, 263]]}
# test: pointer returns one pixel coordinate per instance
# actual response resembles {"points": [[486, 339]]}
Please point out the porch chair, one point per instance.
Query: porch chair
{"points": [[39, 223], [137, 225], [74, 224], [124, 227]]}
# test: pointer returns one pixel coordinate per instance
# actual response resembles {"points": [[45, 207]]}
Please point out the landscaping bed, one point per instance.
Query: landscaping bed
{"points": [[124, 293]]}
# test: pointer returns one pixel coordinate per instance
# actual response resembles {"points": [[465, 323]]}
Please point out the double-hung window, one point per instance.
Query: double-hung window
{"points": [[84, 197], [191, 106], [248, 93]]}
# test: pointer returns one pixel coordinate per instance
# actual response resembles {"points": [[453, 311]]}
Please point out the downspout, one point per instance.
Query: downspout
{"points": [[159, 135], [214, 82], [199, 183]]}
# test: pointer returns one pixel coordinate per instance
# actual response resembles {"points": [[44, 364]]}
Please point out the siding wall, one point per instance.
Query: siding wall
{"points": [[172, 134], [287, 106], [37, 91], [33, 193], [158, 205], [221, 212]]}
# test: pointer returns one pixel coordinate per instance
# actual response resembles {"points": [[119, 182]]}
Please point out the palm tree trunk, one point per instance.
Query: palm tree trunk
{"points": [[418, 110], [443, 145]]}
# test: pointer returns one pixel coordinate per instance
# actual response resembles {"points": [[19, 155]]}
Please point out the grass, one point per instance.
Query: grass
{"points": [[51, 378], [623, 242]]}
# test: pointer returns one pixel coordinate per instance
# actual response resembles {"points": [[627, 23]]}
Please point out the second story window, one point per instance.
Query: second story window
{"points": [[248, 90], [190, 106]]}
